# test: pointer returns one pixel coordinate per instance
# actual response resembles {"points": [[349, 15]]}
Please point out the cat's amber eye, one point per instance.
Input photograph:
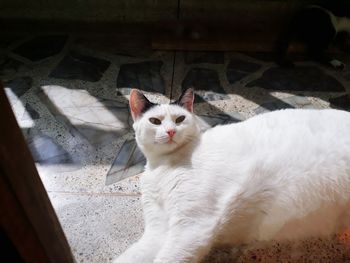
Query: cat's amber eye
{"points": [[180, 119], [155, 121]]}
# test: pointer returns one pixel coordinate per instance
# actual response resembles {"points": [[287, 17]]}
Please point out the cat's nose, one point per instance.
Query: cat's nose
{"points": [[171, 132]]}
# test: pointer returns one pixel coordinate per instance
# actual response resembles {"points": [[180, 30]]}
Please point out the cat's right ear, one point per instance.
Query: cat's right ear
{"points": [[186, 99], [138, 103]]}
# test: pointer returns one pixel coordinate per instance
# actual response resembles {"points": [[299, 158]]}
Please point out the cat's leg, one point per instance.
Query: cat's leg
{"points": [[188, 241], [146, 248]]}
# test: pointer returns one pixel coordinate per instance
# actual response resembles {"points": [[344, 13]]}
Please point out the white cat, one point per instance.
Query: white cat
{"points": [[279, 175]]}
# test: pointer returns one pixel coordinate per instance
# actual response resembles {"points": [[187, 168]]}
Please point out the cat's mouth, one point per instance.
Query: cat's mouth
{"points": [[169, 141]]}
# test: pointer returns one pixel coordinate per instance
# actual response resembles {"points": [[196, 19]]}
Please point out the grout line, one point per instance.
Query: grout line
{"points": [[96, 193], [174, 60], [172, 77]]}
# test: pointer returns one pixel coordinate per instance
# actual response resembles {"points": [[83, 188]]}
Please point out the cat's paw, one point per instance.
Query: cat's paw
{"points": [[127, 259], [336, 64], [134, 257], [117, 260]]}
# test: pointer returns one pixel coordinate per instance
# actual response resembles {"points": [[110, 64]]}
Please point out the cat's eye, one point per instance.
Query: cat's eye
{"points": [[155, 121], [180, 119]]}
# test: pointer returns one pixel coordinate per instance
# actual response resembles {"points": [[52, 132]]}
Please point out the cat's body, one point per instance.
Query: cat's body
{"points": [[316, 27], [280, 175]]}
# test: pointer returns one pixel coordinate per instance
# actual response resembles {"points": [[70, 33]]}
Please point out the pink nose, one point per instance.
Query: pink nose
{"points": [[171, 132]]}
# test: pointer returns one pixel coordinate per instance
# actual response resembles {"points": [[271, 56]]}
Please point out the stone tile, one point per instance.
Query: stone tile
{"points": [[209, 96], [271, 57], [298, 101], [30, 113], [9, 66], [204, 57], [91, 129], [46, 151], [41, 47], [145, 76], [286, 103], [221, 119], [129, 185], [81, 67], [97, 120], [263, 56], [134, 48], [98, 227], [80, 167], [342, 102], [203, 79], [272, 106], [19, 86], [206, 83], [303, 78], [238, 69], [97, 135], [234, 75], [15, 88], [243, 65], [129, 162], [134, 53], [52, 156], [81, 176], [7, 40]]}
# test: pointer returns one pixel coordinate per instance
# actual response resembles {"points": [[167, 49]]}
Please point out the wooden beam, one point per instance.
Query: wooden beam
{"points": [[27, 215]]}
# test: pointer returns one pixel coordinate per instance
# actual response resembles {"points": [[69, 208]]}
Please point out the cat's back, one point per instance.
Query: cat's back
{"points": [[298, 159], [300, 120], [285, 122], [285, 132]]}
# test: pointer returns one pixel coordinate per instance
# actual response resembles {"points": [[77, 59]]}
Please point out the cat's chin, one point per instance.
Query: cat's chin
{"points": [[160, 148], [167, 142], [166, 146]]}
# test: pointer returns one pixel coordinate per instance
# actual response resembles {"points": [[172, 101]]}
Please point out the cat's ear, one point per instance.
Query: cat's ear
{"points": [[186, 99], [138, 103]]}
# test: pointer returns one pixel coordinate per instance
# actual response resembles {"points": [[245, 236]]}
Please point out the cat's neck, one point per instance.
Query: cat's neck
{"points": [[343, 24], [177, 157]]}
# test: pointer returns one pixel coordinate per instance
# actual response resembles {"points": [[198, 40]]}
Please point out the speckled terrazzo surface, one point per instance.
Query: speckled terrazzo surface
{"points": [[70, 96]]}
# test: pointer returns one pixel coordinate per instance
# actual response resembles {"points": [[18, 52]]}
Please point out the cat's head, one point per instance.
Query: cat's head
{"points": [[162, 128]]}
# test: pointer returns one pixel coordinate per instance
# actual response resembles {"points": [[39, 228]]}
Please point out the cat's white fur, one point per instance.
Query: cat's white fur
{"points": [[279, 175]]}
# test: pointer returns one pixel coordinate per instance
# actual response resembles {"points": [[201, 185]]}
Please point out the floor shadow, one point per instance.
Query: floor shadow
{"points": [[308, 80], [47, 151]]}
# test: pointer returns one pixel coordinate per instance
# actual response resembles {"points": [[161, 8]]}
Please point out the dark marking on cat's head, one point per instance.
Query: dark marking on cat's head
{"points": [[186, 99], [139, 104]]}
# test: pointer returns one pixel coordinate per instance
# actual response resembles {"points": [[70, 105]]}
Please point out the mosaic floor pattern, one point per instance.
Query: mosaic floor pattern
{"points": [[70, 98]]}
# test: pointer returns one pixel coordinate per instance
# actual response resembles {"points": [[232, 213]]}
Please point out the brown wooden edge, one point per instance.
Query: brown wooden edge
{"points": [[26, 213]]}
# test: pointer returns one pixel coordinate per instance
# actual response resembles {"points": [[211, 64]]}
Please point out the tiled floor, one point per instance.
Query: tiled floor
{"points": [[70, 95]]}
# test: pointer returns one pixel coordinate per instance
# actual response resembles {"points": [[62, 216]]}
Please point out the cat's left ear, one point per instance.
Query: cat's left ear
{"points": [[138, 103], [186, 99]]}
